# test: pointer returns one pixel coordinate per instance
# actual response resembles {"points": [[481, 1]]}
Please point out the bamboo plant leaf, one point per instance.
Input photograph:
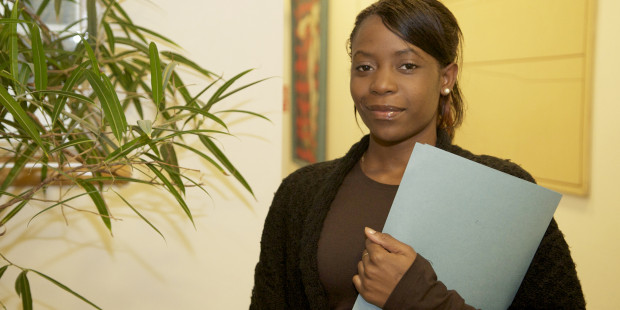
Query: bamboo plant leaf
{"points": [[109, 103], [170, 157], [108, 9], [245, 112], [140, 215], [196, 111], [192, 101], [224, 87], [111, 179], [168, 73], [42, 7], [173, 191], [68, 28], [178, 133], [126, 148], [57, 6], [202, 92], [56, 204], [120, 10], [22, 287], [139, 46], [116, 108], [66, 94], [156, 75], [13, 212], [109, 35], [2, 270], [127, 25], [82, 121], [14, 48], [44, 166], [14, 21], [178, 85], [181, 59], [97, 199], [137, 29], [39, 59], [23, 77], [67, 289], [146, 125], [206, 141], [75, 78], [173, 171], [70, 144], [236, 90], [91, 55], [242, 88], [205, 156], [18, 165], [20, 116], [219, 96]]}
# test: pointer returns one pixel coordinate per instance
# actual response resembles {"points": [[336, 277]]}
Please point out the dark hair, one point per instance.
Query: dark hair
{"points": [[429, 25]]}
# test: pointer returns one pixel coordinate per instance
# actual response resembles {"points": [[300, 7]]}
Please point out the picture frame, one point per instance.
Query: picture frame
{"points": [[308, 79]]}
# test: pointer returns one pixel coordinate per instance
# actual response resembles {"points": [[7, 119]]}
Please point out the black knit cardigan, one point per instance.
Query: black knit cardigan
{"points": [[287, 277]]}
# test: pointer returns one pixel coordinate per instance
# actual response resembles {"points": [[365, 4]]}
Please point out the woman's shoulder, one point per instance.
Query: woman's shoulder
{"points": [[311, 172], [503, 165], [335, 168], [308, 176]]}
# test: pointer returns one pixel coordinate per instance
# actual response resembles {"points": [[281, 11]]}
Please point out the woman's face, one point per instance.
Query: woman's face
{"points": [[395, 85]]}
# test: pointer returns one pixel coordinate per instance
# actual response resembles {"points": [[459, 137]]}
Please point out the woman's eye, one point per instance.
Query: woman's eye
{"points": [[363, 68], [408, 66]]}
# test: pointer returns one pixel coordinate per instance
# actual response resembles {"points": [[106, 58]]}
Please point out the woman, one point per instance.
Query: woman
{"points": [[319, 249]]}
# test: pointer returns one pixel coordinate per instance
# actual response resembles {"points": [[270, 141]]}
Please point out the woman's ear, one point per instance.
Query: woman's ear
{"points": [[449, 75]]}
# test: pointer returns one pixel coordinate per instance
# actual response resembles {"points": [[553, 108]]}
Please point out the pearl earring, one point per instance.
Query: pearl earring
{"points": [[446, 91]]}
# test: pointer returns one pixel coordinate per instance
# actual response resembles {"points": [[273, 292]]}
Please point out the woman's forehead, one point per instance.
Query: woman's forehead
{"points": [[373, 35]]}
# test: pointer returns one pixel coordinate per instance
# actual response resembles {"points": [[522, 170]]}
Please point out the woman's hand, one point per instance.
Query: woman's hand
{"points": [[383, 264]]}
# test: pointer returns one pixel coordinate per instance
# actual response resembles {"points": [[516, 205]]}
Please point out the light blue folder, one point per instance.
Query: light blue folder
{"points": [[478, 227]]}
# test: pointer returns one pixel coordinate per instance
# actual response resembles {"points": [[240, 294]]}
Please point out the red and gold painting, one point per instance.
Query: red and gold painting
{"points": [[309, 70]]}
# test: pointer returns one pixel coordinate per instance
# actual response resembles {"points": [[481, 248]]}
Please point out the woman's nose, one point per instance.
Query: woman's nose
{"points": [[383, 82]]}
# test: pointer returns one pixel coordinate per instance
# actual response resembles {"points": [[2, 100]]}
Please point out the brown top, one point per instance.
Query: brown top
{"points": [[362, 202]]}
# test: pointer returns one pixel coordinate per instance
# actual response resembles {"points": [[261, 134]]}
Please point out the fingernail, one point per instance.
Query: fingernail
{"points": [[371, 231]]}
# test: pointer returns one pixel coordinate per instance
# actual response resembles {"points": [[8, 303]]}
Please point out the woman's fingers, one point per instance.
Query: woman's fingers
{"points": [[384, 261]]}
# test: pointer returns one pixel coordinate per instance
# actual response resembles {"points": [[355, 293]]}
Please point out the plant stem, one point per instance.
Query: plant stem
{"points": [[91, 11]]}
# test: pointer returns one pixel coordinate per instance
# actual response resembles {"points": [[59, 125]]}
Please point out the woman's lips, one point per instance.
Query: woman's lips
{"points": [[386, 112]]}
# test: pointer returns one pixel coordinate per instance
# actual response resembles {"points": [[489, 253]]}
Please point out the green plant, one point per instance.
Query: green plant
{"points": [[65, 109]]}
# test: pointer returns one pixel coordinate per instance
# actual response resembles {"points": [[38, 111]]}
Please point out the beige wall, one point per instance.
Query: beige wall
{"points": [[590, 224], [207, 267]]}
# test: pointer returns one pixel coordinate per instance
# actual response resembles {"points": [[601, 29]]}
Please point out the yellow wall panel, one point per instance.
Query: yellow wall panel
{"points": [[526, 80], [516, 29], [527, 109]]}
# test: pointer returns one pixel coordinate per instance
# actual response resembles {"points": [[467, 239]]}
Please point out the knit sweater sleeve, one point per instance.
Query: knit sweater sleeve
{"points": [[269, 290], [420, 289], [551, 281]]}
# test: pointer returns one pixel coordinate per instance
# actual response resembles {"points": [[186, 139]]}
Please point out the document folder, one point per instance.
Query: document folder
{"points": [[478, 227]]}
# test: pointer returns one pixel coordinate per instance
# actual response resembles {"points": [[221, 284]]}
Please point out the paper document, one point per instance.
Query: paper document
{"points": [[478, 227]]}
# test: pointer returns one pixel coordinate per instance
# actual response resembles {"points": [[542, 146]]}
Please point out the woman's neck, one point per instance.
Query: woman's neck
{"points": [[386, 163]]}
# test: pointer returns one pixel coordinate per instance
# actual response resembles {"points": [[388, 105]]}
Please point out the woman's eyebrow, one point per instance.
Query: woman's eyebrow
{"points": [[362, 53], [408, 50]]}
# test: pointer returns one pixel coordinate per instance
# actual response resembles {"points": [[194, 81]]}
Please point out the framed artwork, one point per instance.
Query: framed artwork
{"points": [[308, 85]]}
